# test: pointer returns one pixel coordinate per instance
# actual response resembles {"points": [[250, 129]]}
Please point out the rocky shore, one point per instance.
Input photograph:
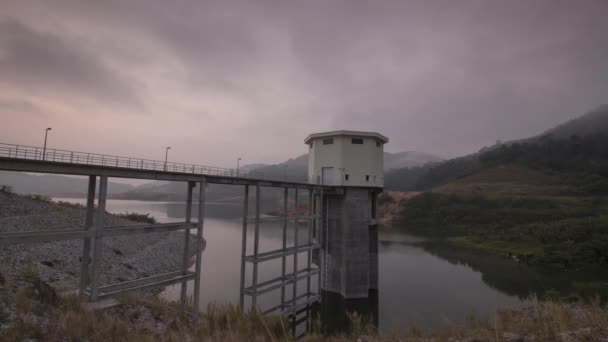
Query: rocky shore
{"points": [[58, 263]]}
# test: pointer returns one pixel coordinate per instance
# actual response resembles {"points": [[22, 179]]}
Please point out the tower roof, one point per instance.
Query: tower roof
{"points": [[378, 136]]}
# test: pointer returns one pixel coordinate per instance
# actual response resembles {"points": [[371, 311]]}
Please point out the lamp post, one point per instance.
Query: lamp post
{"points": [[238, 164], [166, 156], [46, 134]]}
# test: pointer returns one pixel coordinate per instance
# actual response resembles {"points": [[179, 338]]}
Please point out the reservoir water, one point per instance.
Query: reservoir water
{"points": [[421, 283]]}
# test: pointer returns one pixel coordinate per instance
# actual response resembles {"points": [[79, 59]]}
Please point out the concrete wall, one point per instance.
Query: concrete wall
{"points": [[356, 161], [349, 248]]}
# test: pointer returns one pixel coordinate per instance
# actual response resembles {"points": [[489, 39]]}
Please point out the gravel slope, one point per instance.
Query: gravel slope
{"points": [[58, 263]]}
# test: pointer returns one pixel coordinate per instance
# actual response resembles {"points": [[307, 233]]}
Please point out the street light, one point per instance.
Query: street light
{"points": [[166, 156], [238, 164], [46, 133]]}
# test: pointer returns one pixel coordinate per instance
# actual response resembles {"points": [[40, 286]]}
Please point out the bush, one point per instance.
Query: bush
{"points": [[385, 198], [565, 231], [136, 217], [41, 198], [6, 189]]}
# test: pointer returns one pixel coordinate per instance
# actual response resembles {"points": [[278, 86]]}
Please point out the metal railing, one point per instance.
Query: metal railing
{"points": [[85, 158]]}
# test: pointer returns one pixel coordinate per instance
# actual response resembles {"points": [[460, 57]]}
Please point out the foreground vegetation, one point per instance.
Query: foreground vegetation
{"points": [[567, 232], [39, 314]]}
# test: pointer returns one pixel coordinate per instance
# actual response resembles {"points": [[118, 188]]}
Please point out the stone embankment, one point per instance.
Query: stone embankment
{"points": [[58, 263]]}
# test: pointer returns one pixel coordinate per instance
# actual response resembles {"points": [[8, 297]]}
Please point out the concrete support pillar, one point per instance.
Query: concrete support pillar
{"points": [[256, 248], [86, 247], [186, 255], [244, 246], [199, 246], [97, 237], [284, 246], [350, 238]]}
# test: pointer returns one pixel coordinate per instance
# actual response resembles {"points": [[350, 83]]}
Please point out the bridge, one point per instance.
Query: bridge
{"points": [[101, 167], [340, 247]]}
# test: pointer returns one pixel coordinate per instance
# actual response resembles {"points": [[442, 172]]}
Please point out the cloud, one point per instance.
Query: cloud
{"points": [[255, 78], [49, 63]]}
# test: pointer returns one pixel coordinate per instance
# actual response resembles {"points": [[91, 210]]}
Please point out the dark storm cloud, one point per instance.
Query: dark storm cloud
{"points": [[438, 76], [47, 62]]}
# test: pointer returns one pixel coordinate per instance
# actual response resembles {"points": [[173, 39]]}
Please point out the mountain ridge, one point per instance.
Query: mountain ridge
{"points": [[435, 175]]}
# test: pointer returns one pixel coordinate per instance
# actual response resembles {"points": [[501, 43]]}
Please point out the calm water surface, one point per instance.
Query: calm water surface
{"points": [[420, 283]]}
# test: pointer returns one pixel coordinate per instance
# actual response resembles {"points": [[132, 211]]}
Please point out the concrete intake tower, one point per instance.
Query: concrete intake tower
{"points": [[352, 163]]}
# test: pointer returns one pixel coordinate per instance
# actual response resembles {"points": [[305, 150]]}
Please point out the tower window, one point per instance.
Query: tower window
{"points": [[346, 177], [367, 178], [357, 141], [378, 144], [328, 141]]}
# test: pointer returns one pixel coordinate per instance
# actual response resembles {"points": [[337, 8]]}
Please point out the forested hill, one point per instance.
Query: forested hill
{"points": [[581, 160], [578, 149], [593, 122]]}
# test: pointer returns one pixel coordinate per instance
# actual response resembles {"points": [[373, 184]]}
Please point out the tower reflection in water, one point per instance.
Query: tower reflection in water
{"points": [[336, 312]]}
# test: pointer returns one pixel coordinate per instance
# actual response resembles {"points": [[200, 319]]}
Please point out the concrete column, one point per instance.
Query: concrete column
{"points": [[284, 258], [186, 255], [86, 248], [98, 229], [199, 245], [244, 246], [350, 248], [256, 247]]}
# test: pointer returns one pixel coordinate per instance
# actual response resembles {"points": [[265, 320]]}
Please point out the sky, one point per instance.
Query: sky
{"points": [[218, 80]]}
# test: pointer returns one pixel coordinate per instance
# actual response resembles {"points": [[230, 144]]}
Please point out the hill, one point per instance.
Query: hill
{"points": [[579, 161], [408, 159], [592, 122], [575, 149], [428, 176], [508, 179]]}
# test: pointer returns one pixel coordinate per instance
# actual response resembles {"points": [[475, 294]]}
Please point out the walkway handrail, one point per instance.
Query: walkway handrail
{"points": [[85, 158]]}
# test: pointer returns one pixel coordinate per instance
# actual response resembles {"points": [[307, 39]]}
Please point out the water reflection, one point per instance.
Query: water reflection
{"points": [[177, 210], [517, 278], [336, 312]]}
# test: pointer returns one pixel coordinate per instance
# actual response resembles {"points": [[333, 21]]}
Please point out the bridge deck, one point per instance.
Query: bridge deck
{"points": [[36, 159], [42, 160]]}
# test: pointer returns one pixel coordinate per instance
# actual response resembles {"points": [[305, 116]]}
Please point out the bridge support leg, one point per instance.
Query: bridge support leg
{"points": [[295, 264], [256, 248], [318, 203], [97, 236], [309, 255], [186, 257], [199, 245], [244, 246], [284, 258], [86, 242]]}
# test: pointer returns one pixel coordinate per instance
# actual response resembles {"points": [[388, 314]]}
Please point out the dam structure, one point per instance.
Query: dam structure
{"points": [[352, 164], [338, 253]]}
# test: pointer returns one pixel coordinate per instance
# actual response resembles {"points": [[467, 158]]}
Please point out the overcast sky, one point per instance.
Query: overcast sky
{"points": [[227, 79]]}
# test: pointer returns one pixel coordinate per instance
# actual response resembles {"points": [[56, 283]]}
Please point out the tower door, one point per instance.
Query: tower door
{"points": [[327, 175]]}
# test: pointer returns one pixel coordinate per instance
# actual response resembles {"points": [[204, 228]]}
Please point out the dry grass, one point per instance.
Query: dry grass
{"points": [[389, 210], [141, 317], [508, 179]]}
